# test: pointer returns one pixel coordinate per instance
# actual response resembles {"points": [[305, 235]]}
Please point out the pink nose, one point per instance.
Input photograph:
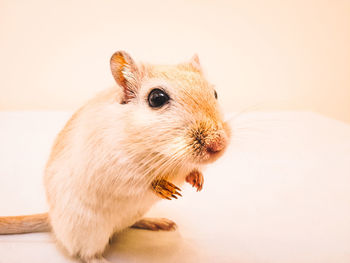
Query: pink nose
{"points": [[216, 145]]}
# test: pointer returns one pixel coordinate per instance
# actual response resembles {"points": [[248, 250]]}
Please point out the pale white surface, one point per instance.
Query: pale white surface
{"points": [[279, 195]]}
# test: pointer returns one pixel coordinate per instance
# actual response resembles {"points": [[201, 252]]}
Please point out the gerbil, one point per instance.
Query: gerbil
{"points": [[124, 150]]}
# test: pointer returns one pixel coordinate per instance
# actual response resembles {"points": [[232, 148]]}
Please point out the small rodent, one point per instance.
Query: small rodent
{"points": [[123, 151]]}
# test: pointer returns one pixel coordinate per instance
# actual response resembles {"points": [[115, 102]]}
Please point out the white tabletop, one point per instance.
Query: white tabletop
{"points": [[279, 195]]}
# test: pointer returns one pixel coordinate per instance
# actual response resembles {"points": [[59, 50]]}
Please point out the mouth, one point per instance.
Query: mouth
{"points": [[208, 156], [213, 155]]}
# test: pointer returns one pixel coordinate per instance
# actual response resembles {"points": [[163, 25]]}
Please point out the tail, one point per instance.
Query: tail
{"points": [[24, 224]]}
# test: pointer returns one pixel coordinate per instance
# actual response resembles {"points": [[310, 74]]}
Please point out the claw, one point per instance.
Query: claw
{"points": [[178, 193], [177, 188], [195, 178], [174, 186], [165, 189]]}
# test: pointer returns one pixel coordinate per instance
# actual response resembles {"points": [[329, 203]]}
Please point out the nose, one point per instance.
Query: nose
{"points": [[216, 145]]}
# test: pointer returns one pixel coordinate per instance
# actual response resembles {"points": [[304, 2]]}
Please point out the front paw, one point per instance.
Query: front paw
{"points": [[196, 179], [165, 189]]}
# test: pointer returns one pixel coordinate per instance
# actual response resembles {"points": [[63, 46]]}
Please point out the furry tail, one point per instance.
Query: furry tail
{"points": [[24, 224]]}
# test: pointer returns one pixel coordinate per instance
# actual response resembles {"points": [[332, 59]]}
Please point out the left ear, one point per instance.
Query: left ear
{"points": [[126, 74], [195, 64]]}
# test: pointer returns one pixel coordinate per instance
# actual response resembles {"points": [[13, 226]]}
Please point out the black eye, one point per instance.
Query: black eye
{"points": [[157, 98], [215, 94]]}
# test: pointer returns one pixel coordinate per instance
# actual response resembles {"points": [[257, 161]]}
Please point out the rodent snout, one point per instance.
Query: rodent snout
{"points": [[216, 145], [209, 142]]}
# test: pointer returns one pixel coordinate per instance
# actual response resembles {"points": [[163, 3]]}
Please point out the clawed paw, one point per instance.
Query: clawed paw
{"points": [[196, 179], [165, 189]]}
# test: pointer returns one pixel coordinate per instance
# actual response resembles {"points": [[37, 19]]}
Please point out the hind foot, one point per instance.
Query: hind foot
{"points": [[155, 224]]}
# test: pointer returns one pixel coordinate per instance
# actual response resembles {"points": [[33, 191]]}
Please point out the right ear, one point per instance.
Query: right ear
{"points": [[126, 74]]}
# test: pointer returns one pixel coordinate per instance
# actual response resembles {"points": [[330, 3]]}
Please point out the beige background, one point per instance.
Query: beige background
{"points": [[261, 55]]}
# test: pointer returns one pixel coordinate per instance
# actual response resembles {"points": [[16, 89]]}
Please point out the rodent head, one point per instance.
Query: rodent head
{"points": [[173, 113]]}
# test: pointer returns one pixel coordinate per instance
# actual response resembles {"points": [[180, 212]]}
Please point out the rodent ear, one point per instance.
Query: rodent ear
{"points": [[125, 73], [195, 64]]}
